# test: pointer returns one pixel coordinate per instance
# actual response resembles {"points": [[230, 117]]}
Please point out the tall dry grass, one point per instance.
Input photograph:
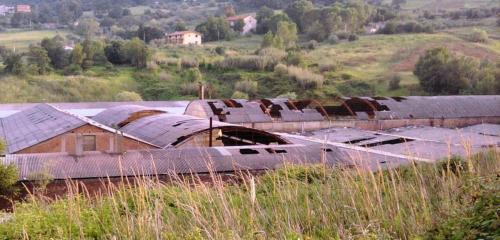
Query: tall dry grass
{"points": [[291, 203]]}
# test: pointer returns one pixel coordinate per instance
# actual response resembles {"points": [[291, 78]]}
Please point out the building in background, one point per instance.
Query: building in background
{"points": [[184, 38], [249, 23], [23, 8], [4, 10]]}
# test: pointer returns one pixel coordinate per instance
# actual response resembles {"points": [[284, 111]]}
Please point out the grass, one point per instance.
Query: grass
{"points": [[451, 199], [96, 84], [447, 4], [20, 39]]}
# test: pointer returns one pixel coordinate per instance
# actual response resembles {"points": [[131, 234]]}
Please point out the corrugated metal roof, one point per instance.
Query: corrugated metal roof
{"points": [[166, 129], [113, 117], [441, 107], [186, 161], [40, 123]]}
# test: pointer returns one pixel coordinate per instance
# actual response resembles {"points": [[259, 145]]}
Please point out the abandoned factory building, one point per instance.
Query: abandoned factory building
{"points": [[373, 113]]}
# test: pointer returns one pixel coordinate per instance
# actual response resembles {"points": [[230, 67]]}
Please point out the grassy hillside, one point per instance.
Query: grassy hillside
{"points": [[21, 39], [448, 200], [446, 4]]}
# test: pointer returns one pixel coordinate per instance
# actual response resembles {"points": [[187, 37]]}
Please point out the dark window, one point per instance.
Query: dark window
{"points": [[89, 143], [246, 151]]}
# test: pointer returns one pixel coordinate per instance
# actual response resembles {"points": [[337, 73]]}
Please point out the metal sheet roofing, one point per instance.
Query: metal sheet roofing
{"points": [[441, 107], [186, 161], [115, 116], [166, 129], [40, 123]]}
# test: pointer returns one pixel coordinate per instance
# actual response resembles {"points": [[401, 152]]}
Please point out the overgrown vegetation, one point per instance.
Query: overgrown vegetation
{"points": [[452, 199]]}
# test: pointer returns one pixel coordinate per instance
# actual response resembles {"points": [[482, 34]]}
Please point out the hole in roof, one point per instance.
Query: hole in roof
{"points": [[327, 150], [398, 99], [270, 150], [246, 151], [383, 162]]}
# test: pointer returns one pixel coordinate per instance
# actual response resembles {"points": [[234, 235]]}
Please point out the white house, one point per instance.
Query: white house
{"points": [[249, 20], [184, 38], [4, 10]]}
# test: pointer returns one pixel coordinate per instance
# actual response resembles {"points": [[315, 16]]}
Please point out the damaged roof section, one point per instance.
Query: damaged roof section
{"points": [[358, 108], [166, 130], [117, 117], [424, 142]]}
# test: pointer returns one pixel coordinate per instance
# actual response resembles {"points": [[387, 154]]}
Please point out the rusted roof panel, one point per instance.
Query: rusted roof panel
{"points": [[113, 117]]}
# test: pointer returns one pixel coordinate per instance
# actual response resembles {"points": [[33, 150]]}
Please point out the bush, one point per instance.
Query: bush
{"points": [[288, 95], [248, 62], [128, 96], [239, 95], [295, 58], [305, 78], [73, 69], [353, 37], [343, 35], [8, 180], [478, 35], [275, 54], [333, 39], [313, 44], [394, 82], [247, 86], [189, 88], [220, 50], [189, 63], [356, 88], [281, 70]]}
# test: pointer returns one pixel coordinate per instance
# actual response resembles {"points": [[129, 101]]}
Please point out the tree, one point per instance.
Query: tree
{"points": [[297, 10], [264, 15], [215, 29], [229, 10], [270, 40], [77, 55], [115, 52], [116, 12], [59, 58], [138, 52], [441, 73], [239, 25], [39, 57], [87, 27], [287, 32], [180, 26], [149, 33], [14, 63]]}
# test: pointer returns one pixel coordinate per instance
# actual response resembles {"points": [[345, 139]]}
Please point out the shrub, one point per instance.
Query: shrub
{"points": [[394, 82], [356, 88], [73, 69], [294, 58], [248, 62], [220, 50], [189, 88], [288, 95], [478, 35], [239, 95], [8, 180], [128, 96], [327, 67], [275, 54], [333, 39], [353, 37], [281, 70], [165, 76], [247, 86], [313, 44], [343, 35], [189, 63], [305, 78]]}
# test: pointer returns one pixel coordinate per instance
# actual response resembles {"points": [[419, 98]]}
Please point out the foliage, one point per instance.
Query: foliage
{"points": [[239, 95], [14, 63], [77, 55], [305, 78], [39, 57], [128, 96], [59, 58], [417, 201], [478, 35], [409, 27], [147, 34], [215, 29], [8, 180], [246, 86], [87, 28], [297, 10], [115, 52], [137, 52], [440, 72], [287, 33], [394, 83]]}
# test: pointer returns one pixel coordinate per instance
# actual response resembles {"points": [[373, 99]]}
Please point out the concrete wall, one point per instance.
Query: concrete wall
{"points": [[370, 124], [105, 142]]}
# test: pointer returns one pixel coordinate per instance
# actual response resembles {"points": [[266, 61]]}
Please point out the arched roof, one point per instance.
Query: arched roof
{"points": [[120, 116], [166, 130]]}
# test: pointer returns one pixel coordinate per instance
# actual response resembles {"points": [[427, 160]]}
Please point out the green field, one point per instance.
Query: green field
{"points": [[22, 39]]}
